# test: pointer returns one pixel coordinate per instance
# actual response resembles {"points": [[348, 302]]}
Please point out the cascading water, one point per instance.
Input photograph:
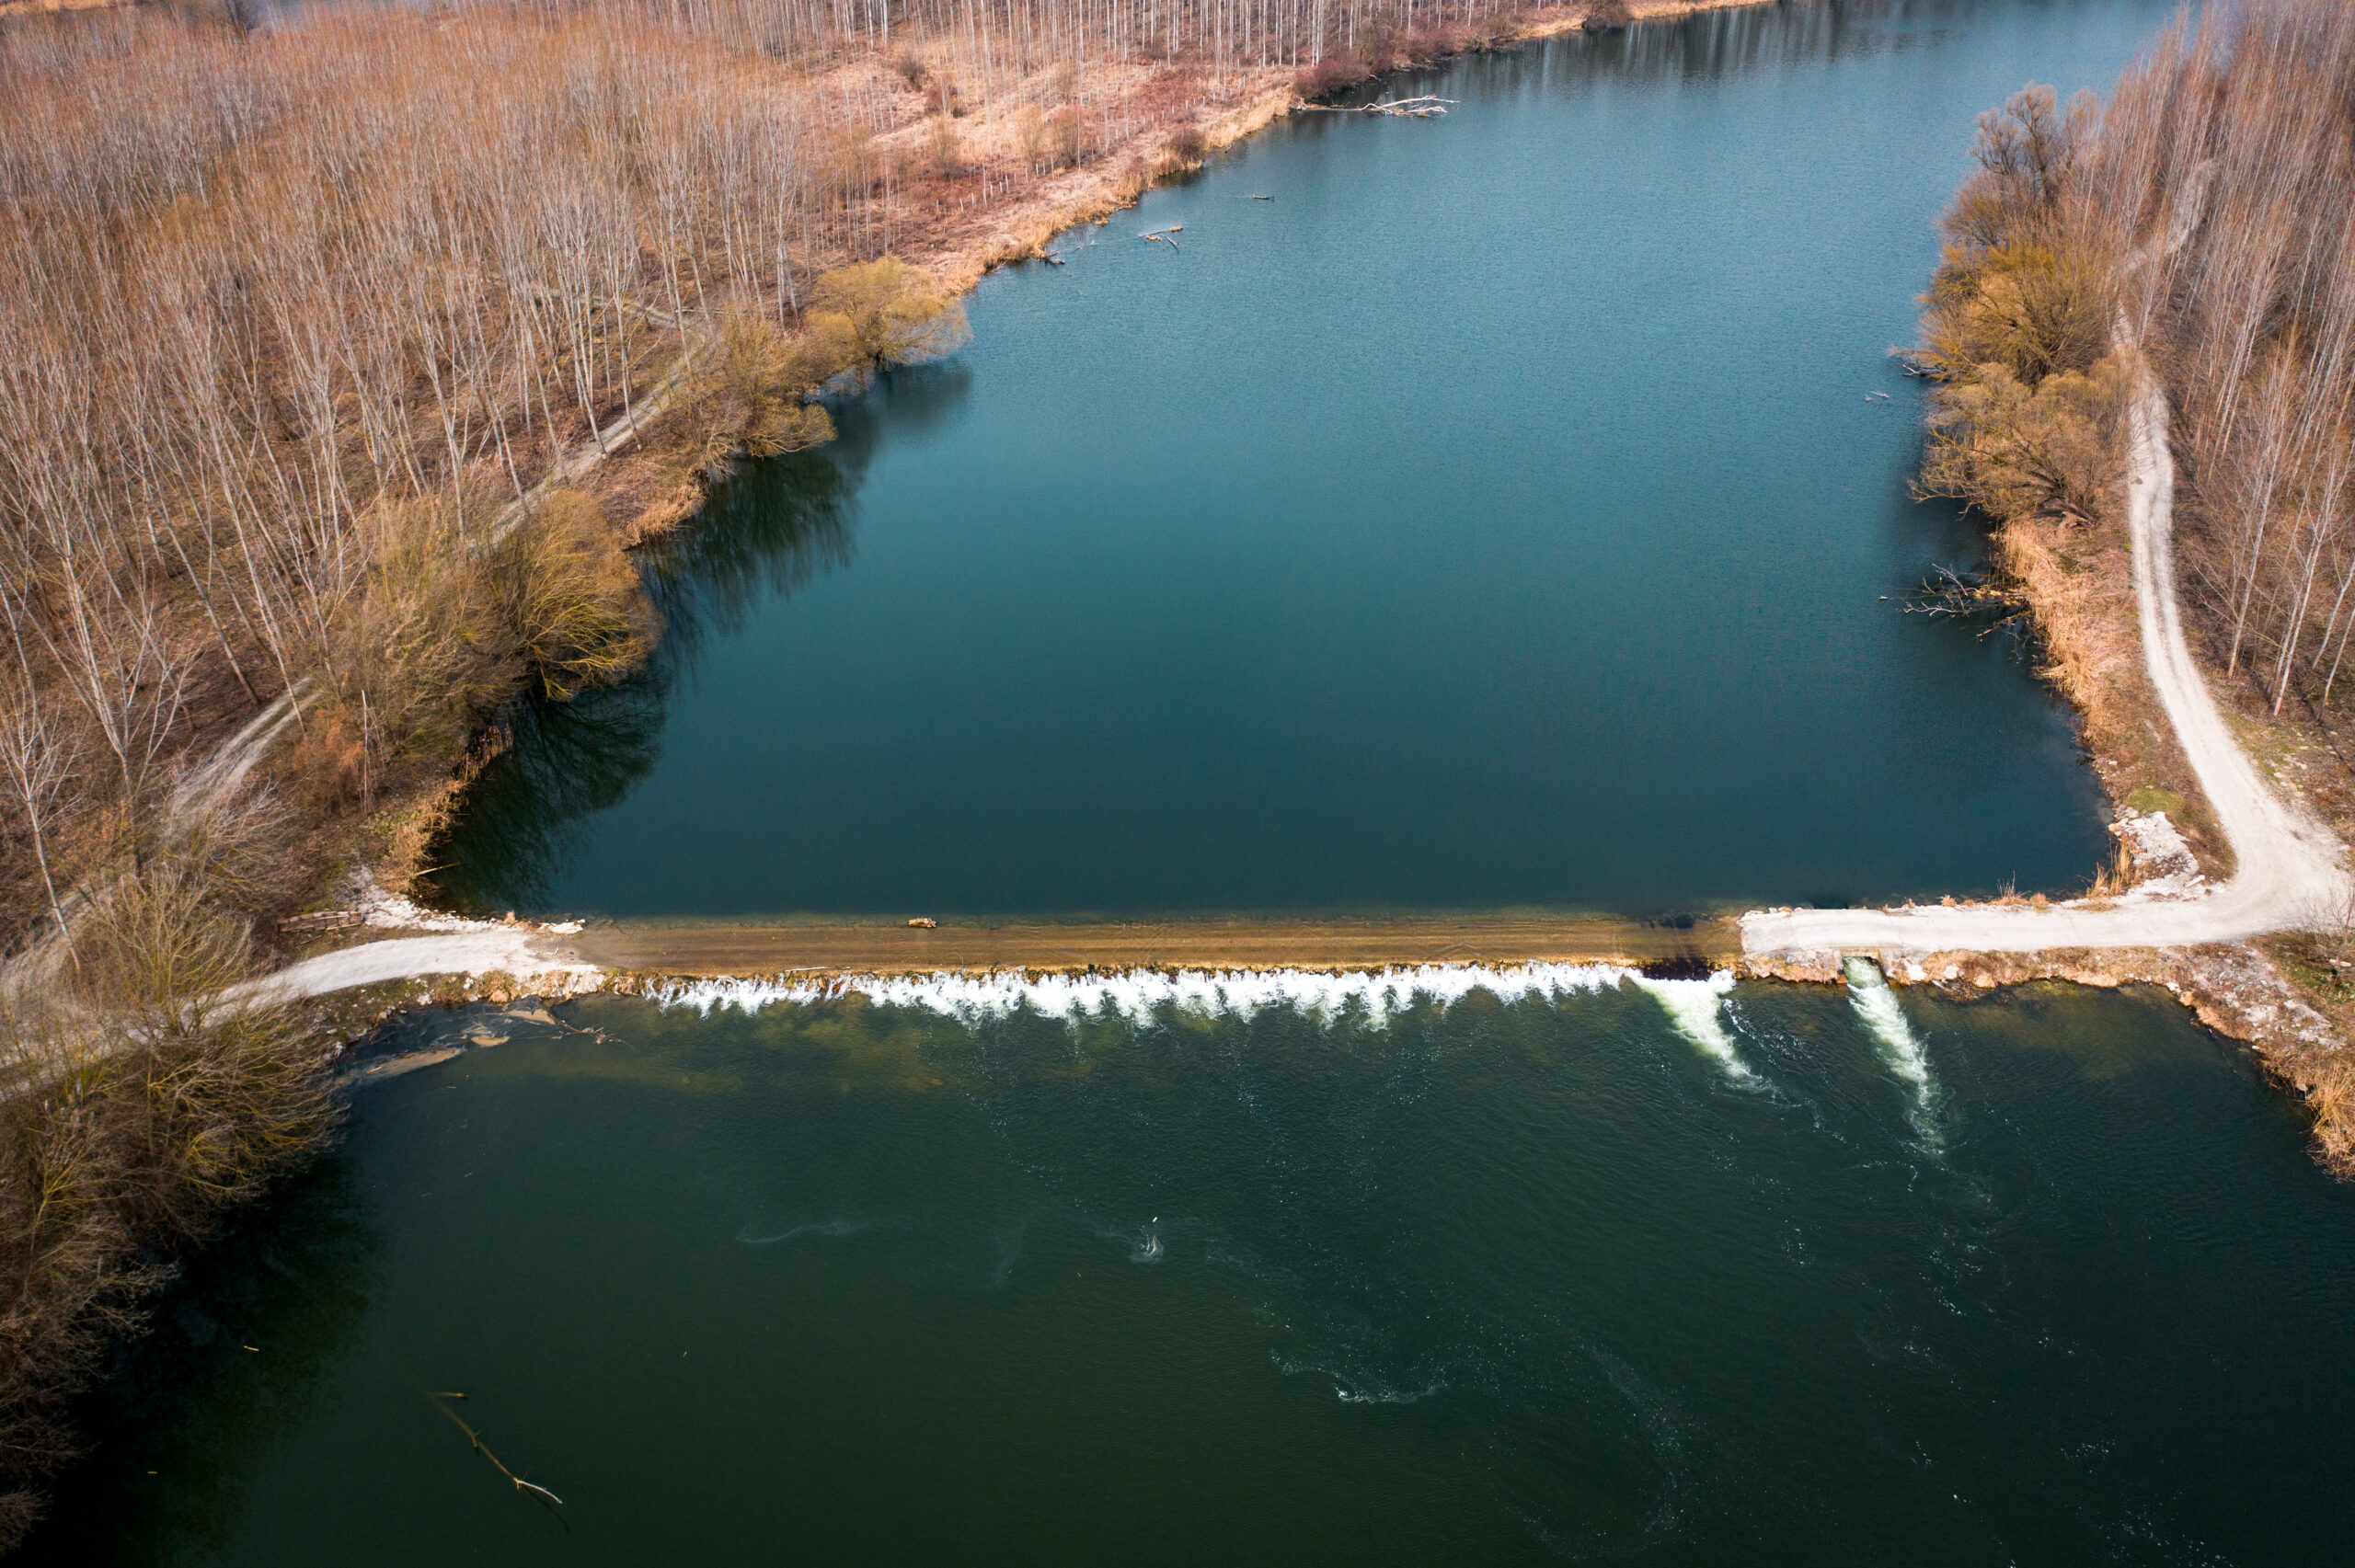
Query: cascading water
{"points": [[1875, 1003], [1693, 1006]]}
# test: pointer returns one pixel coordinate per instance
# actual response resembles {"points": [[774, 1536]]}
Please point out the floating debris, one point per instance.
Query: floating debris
{"points": [[1423, 107], [545, 1498], [923, 922]]}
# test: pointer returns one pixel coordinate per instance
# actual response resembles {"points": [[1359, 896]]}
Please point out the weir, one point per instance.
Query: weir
{"points": [[714, 948], [1695, 1007]]}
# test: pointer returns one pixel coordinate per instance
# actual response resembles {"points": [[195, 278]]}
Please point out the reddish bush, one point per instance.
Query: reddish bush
{"points": [[1430, 43], [1329, 76]]}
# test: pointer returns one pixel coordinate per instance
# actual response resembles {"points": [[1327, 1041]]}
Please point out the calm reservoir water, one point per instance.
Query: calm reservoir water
{"points": [[1480, 521], [1504, 513]]}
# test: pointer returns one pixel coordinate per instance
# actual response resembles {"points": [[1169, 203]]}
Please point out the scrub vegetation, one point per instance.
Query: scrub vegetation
{"points": [[2204, 217], [140, 1103]]}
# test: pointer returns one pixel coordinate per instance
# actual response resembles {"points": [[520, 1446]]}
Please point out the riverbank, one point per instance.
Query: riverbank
{"points": [[964, 213], [2062, 433]]}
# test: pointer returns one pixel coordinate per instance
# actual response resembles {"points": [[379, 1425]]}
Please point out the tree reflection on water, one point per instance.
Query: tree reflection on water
{"points": [[763, 536]]}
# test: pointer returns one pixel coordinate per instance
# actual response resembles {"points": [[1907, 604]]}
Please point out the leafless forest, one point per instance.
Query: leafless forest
{"points": [[2212, 200]]}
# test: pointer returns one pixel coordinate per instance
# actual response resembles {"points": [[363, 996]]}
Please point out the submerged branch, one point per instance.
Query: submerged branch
{"points": [[1423, 107], [1946, 594], [548, 1499]]}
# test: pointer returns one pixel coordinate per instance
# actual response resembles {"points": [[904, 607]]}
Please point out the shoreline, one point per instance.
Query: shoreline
{"points": [[405, 826], [2233, 987]]}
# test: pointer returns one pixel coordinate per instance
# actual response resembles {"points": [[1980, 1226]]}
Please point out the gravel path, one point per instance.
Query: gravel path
{"points": [[2291, 873], [515, 949]]}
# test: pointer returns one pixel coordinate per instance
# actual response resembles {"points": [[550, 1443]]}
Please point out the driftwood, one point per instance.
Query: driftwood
{"points": [[1423, 107], [545, 1498], [1947, 594], [1921, 362], [1168, 235]]}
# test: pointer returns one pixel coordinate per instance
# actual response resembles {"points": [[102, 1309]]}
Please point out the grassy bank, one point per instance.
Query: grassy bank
{"points": [[2203, 217]]}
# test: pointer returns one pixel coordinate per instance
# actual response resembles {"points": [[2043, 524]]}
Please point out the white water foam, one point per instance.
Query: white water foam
{"points": [[1875, 1003], [1136, 994], [1693, 1006]]}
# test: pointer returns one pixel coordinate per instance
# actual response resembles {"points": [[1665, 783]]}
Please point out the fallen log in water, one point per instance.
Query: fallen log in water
{"points": [[1416, 108]]}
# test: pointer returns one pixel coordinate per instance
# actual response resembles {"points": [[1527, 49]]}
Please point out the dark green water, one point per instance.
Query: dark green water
{"points": [[1500, 515], [1493, 1284]]}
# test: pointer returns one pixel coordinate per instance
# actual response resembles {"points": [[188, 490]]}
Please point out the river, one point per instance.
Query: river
{"points": [[1509, 512], [1497, 515]]}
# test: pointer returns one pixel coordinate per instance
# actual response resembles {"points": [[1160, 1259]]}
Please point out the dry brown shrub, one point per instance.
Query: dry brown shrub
{"points": [[1329, 76], [144, 1103], [576, 609], [2011, 449], [947, 152], [2329, 1084], [748, 393], [885, 313], [2028, 154], [425, 647], [2038, 307]]}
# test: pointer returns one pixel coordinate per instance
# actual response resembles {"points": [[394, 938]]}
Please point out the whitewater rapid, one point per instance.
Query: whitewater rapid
{"points": [[1695, 1007], [1900, 1047]]}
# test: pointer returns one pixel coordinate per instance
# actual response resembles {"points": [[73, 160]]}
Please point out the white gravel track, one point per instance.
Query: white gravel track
{"points": [[2291, 872]]}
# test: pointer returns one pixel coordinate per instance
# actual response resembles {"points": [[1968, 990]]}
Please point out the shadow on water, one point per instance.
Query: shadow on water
{"points": [[173, 1428], [762, 537]]}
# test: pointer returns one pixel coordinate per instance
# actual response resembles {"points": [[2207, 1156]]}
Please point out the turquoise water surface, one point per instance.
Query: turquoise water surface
{"points": [[1506, 513]]}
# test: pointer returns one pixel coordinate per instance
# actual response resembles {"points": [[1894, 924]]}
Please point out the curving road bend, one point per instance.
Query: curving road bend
{"points": [[2290, 868]]}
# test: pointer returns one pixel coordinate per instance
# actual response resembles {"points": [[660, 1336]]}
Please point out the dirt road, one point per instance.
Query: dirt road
{"points": [[2291, 873]]}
